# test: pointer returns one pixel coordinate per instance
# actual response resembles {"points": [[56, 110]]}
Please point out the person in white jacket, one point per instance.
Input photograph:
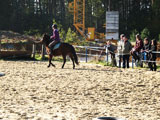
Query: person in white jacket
{"points": [[120, 49]]}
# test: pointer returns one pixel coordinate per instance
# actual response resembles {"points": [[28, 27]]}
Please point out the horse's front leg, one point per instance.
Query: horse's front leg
{"points": [[50, 61]]}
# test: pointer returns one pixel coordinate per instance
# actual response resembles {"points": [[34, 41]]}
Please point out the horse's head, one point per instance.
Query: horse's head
{"points": [[45, 39]]}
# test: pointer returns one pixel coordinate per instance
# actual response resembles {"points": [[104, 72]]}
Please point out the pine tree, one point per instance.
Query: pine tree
{"points": [[145, 33], [133, 35], [71, 37]]}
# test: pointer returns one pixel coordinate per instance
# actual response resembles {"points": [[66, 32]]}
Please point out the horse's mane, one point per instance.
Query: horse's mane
{"points": [[46, 39]]}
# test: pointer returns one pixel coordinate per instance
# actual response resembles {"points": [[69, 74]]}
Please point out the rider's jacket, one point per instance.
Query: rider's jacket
{"points": [[55, 35]]}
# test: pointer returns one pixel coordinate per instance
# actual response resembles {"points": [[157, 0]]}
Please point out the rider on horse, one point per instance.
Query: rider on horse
{"points": [[54, 38]]}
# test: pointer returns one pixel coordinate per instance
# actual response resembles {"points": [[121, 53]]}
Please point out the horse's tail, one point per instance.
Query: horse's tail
{"points": [[74, 55]]}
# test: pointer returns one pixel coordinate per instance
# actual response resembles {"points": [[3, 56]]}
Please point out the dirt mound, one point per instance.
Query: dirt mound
{"points": [[13, 37]]}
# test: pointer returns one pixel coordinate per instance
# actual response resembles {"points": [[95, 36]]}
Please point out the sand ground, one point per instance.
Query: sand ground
{"points": [[31, 91]]}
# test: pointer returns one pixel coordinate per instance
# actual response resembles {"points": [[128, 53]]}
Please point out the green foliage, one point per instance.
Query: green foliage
{"points": [[32, 32], [104, 63], [62, 34], [159, 38], [98, 8], [71, 37], [145, 33], [32, 15], [156, 7], [133, 35], [38, 57], [58, 24]]}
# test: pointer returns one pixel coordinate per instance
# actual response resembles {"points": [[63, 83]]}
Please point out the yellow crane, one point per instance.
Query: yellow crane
{"points": [[77, 8]]}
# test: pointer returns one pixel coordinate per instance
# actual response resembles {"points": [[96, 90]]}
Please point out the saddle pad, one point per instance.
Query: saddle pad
{"points": [[56, 46]]}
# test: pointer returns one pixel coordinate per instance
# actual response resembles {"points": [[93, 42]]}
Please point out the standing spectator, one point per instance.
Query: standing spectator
{"points": [[137, 48], [111, 49], [126, 52], [120, 49], [152, 64]]}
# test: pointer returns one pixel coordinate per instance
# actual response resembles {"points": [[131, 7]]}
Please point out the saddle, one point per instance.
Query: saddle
{"points": [[54, 47]]}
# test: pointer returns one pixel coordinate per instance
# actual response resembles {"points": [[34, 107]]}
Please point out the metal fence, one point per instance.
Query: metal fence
{"points": [[87, 48], [144, 58], [100, 49]]}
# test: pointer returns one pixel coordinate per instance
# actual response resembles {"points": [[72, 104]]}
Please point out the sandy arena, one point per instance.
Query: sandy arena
{"points": [[31, 91]]}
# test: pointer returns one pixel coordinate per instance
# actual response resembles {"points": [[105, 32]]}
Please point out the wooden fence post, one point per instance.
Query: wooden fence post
{"points": [[132, 62], [107, 54], [33, 50], [43, 51], [86, 54]]}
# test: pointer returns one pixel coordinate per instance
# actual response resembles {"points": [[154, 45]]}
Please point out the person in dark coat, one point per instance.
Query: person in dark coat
{"points": [[152, 56], [126, 52]]}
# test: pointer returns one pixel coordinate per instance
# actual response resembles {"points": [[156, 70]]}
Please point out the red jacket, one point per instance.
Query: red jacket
{"points": [[138, 46]]}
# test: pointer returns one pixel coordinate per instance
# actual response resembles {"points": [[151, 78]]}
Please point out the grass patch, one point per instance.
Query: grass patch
{"points": [[104, 63], [38, 57], [158, 67], [145, 66]]}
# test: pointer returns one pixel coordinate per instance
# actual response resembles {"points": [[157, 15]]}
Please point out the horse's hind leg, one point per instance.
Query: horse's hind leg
{"points": [[71, 56], [64, 60]]}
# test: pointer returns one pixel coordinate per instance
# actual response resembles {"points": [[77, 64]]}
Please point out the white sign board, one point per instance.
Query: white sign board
{"points": [[112, 25]]}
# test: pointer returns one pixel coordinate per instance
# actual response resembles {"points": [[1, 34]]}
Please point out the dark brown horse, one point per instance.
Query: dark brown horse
{"points": [[64, 50]]}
